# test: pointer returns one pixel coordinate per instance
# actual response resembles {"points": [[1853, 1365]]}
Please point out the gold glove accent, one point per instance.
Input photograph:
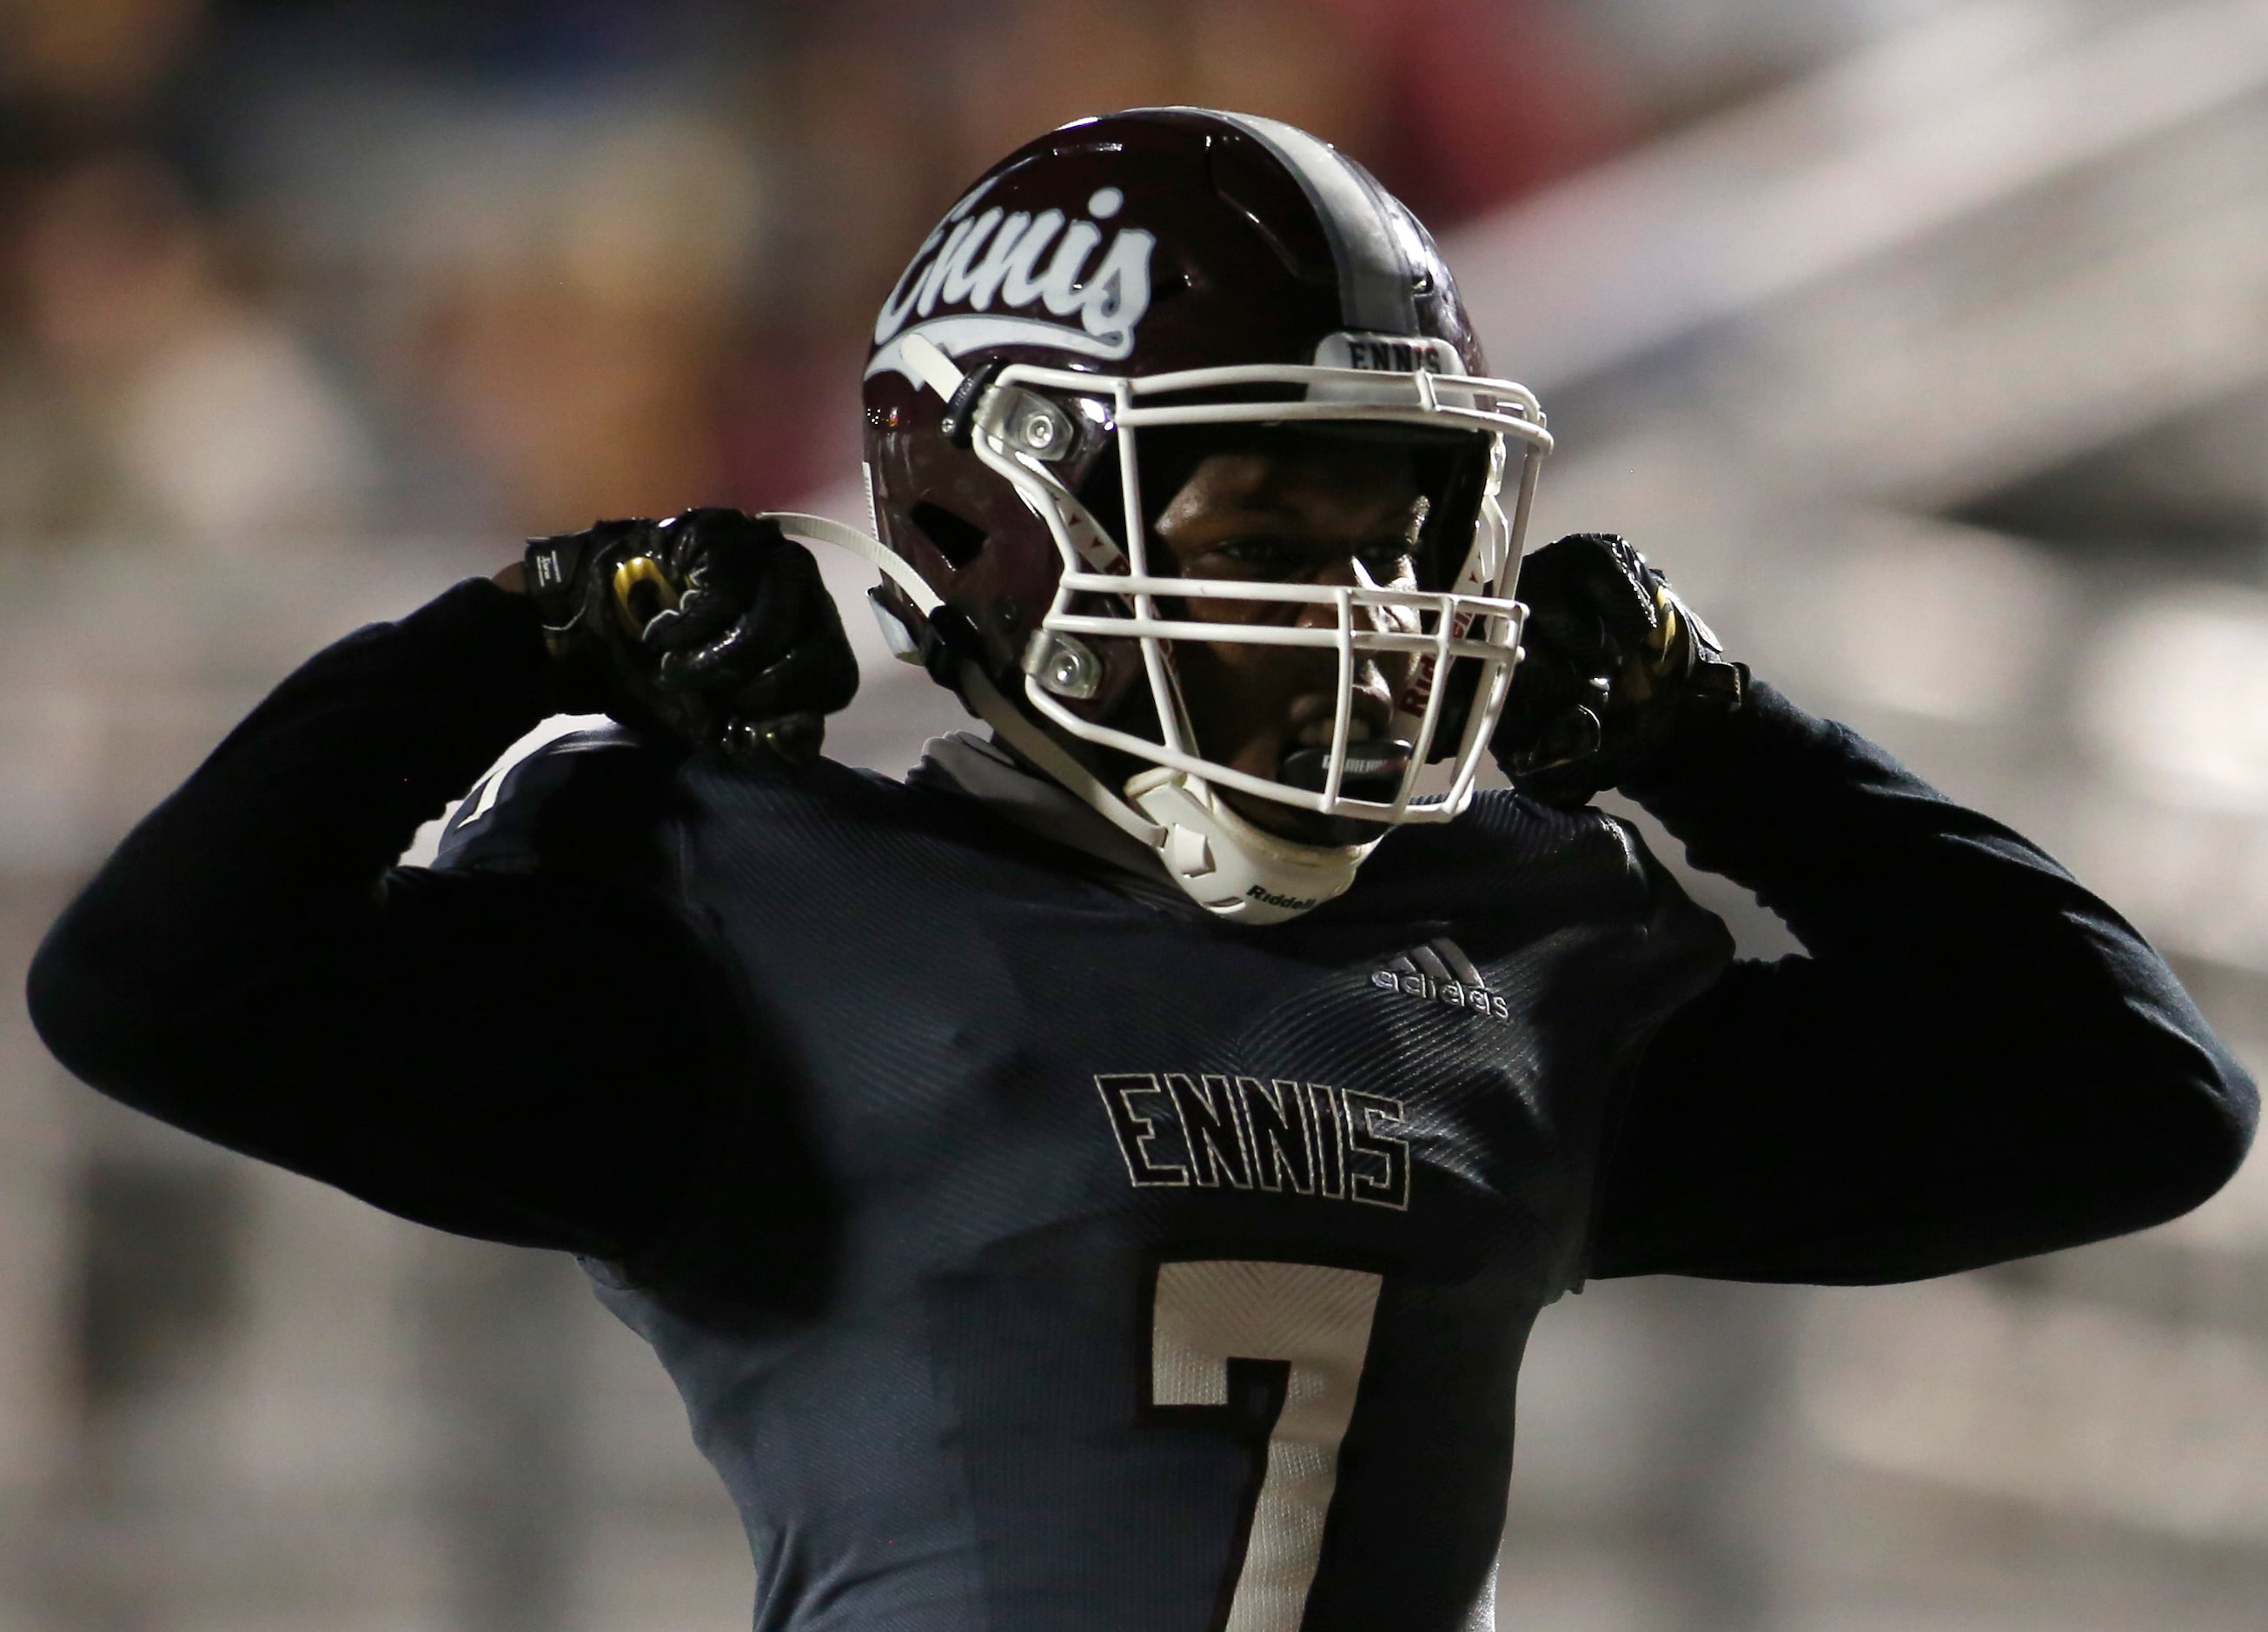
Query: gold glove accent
{"points": [[642, 589]]}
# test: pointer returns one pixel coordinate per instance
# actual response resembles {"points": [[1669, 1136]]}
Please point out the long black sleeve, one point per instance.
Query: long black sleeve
{"points": [[1976, 1060], [252, 966]]}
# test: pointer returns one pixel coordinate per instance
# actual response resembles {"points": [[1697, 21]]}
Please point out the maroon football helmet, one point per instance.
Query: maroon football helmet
{"points": [[1103, 299]]}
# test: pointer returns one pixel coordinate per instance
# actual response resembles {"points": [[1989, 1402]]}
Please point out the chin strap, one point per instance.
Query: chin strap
{"points": [[1013, 727], [1007, 721], [1220, 861], [1228, 866]]}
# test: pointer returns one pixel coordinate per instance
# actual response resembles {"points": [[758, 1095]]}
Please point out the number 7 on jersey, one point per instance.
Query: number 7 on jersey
{"points": [[1315, 1320]]}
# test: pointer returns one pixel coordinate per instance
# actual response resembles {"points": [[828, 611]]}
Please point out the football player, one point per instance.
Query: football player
{"points": [[1107, 1178]]}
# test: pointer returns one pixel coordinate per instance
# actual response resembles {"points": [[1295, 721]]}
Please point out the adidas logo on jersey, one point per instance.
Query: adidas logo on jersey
{"points": [[1441, 973]]}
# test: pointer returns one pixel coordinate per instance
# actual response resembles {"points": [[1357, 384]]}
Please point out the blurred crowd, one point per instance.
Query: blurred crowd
{"points": [[276, 270], [1953, 323]]}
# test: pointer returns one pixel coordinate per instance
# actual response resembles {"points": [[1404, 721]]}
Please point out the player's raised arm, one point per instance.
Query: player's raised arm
{"points": [[1976, 1060], [250, 965]]}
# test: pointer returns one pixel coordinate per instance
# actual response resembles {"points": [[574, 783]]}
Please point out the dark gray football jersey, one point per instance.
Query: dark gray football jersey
{"points": [[1136, 1271]]}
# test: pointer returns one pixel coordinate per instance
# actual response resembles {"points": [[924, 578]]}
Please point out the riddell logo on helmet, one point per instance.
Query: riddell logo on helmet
{"points": [[973, 262], [1288, 903]]}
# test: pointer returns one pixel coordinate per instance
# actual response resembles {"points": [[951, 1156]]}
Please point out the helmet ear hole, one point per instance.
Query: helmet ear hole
{"points": [[957, 538]]}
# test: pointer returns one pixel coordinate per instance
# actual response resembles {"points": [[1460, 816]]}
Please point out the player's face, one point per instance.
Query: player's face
{"points": [[1321, 515]]}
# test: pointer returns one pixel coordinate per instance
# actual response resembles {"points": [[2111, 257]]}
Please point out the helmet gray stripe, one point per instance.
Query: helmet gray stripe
{"points": [[1374, 279]]}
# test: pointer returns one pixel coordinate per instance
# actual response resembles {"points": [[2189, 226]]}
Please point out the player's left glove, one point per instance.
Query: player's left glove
{"points": [[1613, 662], [712, 627]]}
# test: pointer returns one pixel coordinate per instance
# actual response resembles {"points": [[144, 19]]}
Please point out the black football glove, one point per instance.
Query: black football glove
{"points": [[712, 627], [1613, 662]]}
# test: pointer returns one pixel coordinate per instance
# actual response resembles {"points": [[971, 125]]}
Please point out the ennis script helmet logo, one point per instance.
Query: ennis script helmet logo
{"points": [[972, 261]]}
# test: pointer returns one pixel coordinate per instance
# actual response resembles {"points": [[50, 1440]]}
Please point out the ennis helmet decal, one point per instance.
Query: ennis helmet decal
{"points": [[1386, 354], [970, 261]]}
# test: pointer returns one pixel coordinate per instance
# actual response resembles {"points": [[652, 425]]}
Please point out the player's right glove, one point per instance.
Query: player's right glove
{"points": [[1613, 663], [712, 627]]}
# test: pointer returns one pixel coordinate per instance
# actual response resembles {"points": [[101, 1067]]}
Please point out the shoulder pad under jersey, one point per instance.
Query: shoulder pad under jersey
{"points": [[590, 801]]}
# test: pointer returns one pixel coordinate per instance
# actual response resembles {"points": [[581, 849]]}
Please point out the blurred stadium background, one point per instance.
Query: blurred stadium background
{"points": [[1925, 340]]}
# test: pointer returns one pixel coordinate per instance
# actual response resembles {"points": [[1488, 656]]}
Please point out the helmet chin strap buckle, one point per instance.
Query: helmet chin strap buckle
{"points": [[1228, 866]]}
